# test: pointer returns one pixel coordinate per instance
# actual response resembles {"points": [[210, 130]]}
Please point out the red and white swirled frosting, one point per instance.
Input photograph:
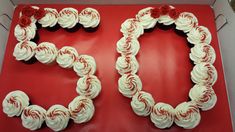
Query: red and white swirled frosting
{"points": [[67, 56], [204, 74], [14, 103], [68, 18], [89, 18], [84, 65], [46, 52], [81, 109]]}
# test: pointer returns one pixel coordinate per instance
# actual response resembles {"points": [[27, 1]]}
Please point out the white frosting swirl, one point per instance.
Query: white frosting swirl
{"points": [[68, 18], [50, 19], [166, 20], [25, 33], [187, 115], [89, 86], [14, 103], [204, 74], [145, 18], [199, 35], [57, 117], [89, 17], [127, 64], [203, 96], [202, 53], [33, 116], [142, 103], [46, 52], [131, 27], [128, 46], [129, 85], [81, 109], [162, 115], [85, 65], [24, 50], [186, 22], [67, 56]]}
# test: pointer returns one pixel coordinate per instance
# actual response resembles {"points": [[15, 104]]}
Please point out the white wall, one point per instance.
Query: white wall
{"points": [[6, 7], [227, 45]]}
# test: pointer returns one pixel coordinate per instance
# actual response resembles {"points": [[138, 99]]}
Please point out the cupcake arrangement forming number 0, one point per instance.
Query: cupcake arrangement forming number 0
{"points": [[204, 74], [81, 109]]}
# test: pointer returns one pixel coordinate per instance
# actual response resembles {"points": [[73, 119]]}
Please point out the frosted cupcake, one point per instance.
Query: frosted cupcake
{"points": [[128, 46], [142, 103], [203, 96], [186, 22], [90, 19], [127, 64], [148, 17], [68, 19], [84, 65], [204, 74], [50, 19], [46, 52], [168, 15], [129, 85], [24, 51], [132, 28], [162, 115], [25, 30], [57, 117], [14, 103], [202, 53], [199, 35], [187, 115], [67, 56], [33, 116], [81, 109], [89, 86]]}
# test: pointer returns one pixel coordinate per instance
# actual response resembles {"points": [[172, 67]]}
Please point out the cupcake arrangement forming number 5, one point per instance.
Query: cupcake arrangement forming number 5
{"points": [[81, 109], [204, 74]]}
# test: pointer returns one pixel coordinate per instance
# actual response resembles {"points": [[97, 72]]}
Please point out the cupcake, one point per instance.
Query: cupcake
{"points": [[204, 74], [132, 28], [46, 52], [29, 11], [49, 21], [25, 30], [168, 15], [128, 46], [68, 19], [24, 51], [90, 19], [199, 35], [187, 115], [84, 65], [14, 103], [162, 115], [202, 53], [32, 117], [57, 117], [89, 86], [142, 103], [81, 109], [127, 64], [67, 56], [148, 17], [39, 14], [186, 22], [129, 85], [203, 96]]}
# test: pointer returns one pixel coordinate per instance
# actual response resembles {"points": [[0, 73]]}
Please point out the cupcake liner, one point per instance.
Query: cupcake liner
{"points": [[165, 27], [90, 30], [36, 38], [74, 29], [54, 28], [30, 61], [180, 32]]}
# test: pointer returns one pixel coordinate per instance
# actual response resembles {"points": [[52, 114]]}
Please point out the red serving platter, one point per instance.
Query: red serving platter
{"points": [[164, 70]]}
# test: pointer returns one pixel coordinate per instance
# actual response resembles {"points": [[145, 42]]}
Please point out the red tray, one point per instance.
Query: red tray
{"points": [[164, 69]]}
